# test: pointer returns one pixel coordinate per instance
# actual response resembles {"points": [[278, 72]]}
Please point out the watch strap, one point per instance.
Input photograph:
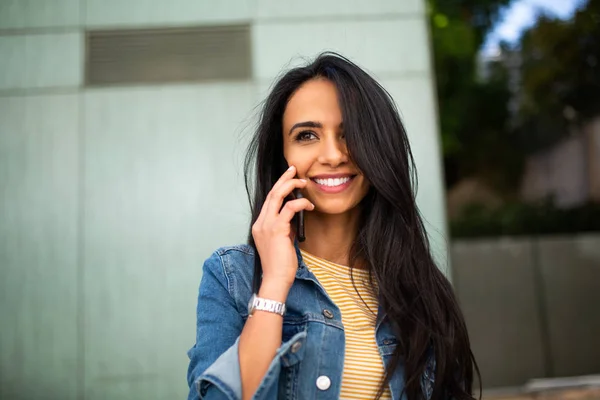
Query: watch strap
{"points": [[261, 304]]}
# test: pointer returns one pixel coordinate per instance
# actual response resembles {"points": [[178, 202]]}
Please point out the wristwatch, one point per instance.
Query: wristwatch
{"points": [[258, 303]]}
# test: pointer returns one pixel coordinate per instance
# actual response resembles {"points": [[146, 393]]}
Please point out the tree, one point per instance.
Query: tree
{"points": [[560, 76], [472, 114]]}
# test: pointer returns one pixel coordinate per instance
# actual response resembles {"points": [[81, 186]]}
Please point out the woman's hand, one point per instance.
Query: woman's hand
{"points": [[273, 234], [273, 237]]}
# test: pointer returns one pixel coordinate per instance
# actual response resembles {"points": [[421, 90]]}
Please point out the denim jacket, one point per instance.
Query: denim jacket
{"points": [[312, 340]]}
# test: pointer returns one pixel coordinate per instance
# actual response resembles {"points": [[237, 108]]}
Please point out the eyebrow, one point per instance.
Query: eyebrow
{"points": [[309, 124]]}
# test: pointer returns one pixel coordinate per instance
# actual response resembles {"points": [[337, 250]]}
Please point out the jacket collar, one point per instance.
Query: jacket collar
{"points": [[302, 272]]}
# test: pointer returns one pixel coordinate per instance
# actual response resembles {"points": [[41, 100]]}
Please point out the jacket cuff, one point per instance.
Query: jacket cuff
{"points": [[224, 374], [268, 386]]}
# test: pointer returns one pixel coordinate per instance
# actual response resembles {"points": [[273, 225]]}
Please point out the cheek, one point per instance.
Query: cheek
{"points": [[364, 187], [366, 184], [302, 168], [299, 160]]}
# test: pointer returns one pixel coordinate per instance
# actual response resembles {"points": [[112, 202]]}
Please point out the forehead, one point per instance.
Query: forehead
{"points": [[316, 100]]}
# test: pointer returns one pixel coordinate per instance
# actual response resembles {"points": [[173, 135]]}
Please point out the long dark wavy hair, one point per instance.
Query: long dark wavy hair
{"points": [[417, 298]]}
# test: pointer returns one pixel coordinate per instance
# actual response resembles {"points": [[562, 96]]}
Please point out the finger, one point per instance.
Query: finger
{"points": [[287, 175], [278, 195], [293, 206], [263, 209]]}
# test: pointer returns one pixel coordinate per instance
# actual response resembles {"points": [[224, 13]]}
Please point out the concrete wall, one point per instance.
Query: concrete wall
{"points": [[111, 198], [531, 306]]}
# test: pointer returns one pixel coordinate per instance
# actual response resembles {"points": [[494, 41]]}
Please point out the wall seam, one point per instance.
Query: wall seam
{"points": [[394, 16], [81, 304], [542, 308]]}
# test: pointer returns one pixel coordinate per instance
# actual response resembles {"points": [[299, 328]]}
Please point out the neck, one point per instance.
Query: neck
{"points": [[331, 236]]}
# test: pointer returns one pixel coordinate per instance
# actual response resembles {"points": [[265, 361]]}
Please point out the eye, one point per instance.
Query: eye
{"points": [[305, 136]]}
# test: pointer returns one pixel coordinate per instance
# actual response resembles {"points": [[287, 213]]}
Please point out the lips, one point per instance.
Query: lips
{"points": [[333, 183]]}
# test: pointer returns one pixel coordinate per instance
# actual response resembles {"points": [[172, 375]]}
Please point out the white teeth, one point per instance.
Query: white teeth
{"points": [[332, 182]]}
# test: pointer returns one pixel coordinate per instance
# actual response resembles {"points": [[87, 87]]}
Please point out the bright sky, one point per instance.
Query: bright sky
{"points": [[522, 14]]}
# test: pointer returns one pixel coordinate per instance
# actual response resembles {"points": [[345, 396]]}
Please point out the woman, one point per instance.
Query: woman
{"points": [[357, 310]]}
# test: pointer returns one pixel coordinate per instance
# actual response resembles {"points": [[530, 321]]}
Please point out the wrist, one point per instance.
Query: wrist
{"points": [[274, 290]]}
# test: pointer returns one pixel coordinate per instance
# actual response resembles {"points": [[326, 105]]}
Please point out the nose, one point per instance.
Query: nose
{"points": [[333, 151]]}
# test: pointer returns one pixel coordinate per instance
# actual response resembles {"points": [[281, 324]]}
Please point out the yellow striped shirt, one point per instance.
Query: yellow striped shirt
{"points": [[363, 366]]}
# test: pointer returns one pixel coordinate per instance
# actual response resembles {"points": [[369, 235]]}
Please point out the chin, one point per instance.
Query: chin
{"points": [[334, 209]]}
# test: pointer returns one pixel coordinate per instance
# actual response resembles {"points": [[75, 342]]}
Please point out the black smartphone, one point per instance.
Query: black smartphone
{"points": [[299, 219]]}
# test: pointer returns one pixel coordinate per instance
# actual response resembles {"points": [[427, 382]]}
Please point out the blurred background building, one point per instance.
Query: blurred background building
{"points": [[123, 126]]}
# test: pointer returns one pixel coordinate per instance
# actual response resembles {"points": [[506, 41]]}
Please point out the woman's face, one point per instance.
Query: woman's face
{"points": [[314, 142]]}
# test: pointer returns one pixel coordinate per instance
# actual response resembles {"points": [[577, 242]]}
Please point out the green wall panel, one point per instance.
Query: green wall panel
{"points": [[38, 247], [162, 191]]}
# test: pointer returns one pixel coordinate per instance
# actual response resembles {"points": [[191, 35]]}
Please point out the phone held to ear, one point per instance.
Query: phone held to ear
{"points": [[299, 219]]}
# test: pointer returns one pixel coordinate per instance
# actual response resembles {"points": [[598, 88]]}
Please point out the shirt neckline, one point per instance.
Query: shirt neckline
{"points": [[335, 268]]}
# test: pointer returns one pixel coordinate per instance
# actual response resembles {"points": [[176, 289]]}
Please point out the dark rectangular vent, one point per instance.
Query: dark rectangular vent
{"points": [[121, 57]]}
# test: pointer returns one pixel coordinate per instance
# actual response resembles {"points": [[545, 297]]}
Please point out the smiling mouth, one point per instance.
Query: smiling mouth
{"points": [[331, 184]]}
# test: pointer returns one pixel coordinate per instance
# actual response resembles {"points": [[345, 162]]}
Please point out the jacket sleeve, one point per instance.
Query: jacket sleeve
{"points": [[214, 369]]}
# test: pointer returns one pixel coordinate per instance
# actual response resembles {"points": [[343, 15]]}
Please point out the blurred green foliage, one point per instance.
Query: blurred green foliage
{"points": [[473, 114], [557, 67], [560, 76], [518, 219], [531, 97]]}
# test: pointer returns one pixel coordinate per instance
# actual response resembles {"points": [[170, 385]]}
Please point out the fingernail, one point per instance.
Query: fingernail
{"points": [[291, 168], [313, 206], [303, 180]]}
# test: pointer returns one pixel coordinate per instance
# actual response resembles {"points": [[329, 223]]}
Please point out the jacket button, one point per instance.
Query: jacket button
{"points": [[296, 346], [328, 314], [323, 382]]}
